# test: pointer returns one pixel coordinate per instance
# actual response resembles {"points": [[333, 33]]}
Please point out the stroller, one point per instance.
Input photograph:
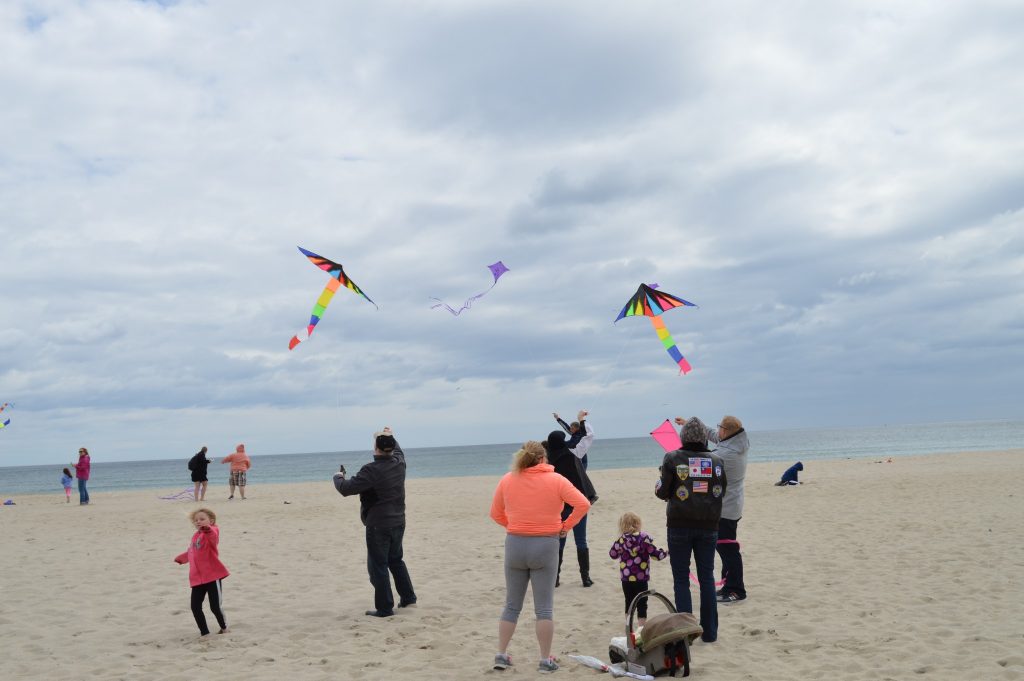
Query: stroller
{"points": [[663, 645]]}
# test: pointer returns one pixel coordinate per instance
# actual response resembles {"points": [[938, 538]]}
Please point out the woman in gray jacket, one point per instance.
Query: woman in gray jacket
{"points": [[731, 443]]}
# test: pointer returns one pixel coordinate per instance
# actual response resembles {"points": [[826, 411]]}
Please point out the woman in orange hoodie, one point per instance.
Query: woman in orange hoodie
{"points": [[240, 463], [528, 503]]}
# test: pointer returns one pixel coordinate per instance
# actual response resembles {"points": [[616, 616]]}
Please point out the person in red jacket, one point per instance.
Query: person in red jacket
{"points": [[205, 571], [82, 472]]}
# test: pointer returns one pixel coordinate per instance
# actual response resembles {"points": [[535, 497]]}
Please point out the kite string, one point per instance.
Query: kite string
{"points": [[602, 392]]}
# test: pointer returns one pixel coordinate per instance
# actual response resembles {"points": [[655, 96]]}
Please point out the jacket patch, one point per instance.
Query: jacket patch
{"points": [[682, 471], [700, 467], [700, 487], [682, 493], [718, 471], [716, 491]]}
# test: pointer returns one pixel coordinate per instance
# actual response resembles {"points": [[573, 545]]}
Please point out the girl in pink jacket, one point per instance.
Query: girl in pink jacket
{"points": [[205, 571]]}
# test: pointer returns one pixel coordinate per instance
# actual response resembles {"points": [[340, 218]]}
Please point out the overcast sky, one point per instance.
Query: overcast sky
{"points": [[839, 186]]}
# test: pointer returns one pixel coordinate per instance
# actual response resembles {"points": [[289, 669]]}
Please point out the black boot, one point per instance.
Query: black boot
{"points": [[584, 557]]}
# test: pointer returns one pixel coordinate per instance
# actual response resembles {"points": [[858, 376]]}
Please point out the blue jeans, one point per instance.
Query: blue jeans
{"points": [[83, 493], [681, 542], [579, 531], [384, 553]]}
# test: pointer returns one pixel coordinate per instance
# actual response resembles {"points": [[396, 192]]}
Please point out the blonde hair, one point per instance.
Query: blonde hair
{"points": [[731, 425], [531, 454], [629, 523], [208, 512]]}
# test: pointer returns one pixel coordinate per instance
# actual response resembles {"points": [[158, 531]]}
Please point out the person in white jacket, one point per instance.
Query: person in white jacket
{"points": [[581, 435], [731, 443]]}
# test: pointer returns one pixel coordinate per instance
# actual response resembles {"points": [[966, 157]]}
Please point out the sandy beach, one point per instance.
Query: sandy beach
{"points": [[903, 570]]}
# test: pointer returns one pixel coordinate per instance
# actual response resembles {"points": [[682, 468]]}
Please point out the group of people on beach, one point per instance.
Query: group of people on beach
{"points": [[82, 469], [546, 494], [240, 465], [206, 572], [197, 466]]}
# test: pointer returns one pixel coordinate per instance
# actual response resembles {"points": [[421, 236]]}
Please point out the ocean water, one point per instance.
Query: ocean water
{"points": [[784, 446]]}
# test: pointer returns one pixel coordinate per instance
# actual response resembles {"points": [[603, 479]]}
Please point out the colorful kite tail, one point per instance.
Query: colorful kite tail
{"points": [[318, 310], [670, 345]]}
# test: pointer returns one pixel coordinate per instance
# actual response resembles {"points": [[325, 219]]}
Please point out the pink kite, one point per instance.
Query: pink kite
{"points": [[666, 436]]}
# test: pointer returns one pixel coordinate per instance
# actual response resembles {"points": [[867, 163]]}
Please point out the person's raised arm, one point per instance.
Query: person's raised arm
{"points": [[563, 424], [588, 438], [713, 434], [210, 536]]}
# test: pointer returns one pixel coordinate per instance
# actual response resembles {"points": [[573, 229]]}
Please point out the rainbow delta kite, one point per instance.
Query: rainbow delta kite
{"points": [[650, 303], [338, 279], [497, 269]]}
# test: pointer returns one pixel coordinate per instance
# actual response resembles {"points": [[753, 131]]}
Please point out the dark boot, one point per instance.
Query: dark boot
{"points": [[584, 557]]}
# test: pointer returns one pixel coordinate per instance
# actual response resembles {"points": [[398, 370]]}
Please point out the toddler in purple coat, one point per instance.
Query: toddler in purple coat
{"points": [[635, 550]]}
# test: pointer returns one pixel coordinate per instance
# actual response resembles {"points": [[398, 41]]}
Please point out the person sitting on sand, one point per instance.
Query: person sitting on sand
{"points": [[240, 463], [528, 503], [791, 476]]}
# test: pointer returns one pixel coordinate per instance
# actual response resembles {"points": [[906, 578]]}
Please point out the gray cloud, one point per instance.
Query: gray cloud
{"points": [[836, 187]]}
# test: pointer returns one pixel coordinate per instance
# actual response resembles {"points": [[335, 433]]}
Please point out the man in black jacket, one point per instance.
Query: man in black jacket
{"points": [[693, 483], [380, 485]]}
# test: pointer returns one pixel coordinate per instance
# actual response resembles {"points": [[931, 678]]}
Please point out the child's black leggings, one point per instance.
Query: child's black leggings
{"points": [[198, 594], [631, 590]]}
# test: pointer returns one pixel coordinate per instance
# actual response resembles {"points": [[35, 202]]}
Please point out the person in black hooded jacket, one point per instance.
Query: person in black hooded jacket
{"points": [[568, 465], [197, 464], [380, 485], [693, 483]]}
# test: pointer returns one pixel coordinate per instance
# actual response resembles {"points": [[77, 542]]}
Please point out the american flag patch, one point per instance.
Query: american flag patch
{"points": [[700, 487]]}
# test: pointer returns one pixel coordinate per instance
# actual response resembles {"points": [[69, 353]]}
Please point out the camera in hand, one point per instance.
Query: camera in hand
{"points": [[341, 469]]}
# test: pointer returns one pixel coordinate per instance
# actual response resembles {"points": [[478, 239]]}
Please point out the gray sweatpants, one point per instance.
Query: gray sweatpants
{"points": [[530, 560]]}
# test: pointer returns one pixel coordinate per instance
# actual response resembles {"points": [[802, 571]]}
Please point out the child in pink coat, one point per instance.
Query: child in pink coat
{"points": [[205, 571]]}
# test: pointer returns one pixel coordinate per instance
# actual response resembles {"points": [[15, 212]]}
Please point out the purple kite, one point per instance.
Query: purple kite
{"points": [[497, 269]]}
